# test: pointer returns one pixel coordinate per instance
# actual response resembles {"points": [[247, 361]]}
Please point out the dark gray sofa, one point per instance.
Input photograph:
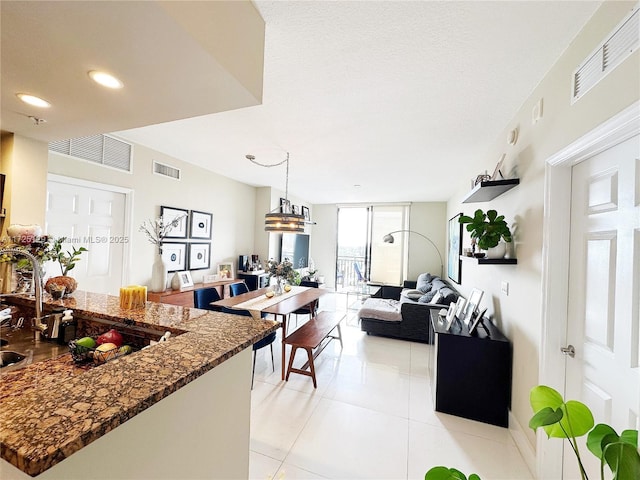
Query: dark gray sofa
{"points": [[403, 312]]}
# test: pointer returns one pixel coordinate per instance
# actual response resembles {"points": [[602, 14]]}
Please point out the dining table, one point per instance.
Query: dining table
{"points": [[280, 306]]}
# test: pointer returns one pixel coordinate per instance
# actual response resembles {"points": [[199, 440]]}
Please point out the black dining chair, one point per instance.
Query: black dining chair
{"points": [[268, 340], [203, 297], [307, 310], [237, 289]]}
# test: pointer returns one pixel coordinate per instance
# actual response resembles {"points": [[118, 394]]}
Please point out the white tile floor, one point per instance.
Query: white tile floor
{"points": [[371, 417]]}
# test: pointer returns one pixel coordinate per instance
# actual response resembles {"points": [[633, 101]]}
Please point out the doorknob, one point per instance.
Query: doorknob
{"points": [[568, 350]]}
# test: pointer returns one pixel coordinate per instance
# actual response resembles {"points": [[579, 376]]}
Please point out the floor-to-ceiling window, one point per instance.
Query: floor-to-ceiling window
{"points": [[361, 248]]}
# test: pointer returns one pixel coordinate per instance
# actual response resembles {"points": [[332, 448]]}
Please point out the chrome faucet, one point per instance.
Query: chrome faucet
{"points": [[37, 280]]}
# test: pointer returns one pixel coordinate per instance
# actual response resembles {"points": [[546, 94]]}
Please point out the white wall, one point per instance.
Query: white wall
{"points": [[232, 204], [520, 313]]}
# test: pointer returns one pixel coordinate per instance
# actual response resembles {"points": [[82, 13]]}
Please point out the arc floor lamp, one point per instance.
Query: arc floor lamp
{"points": [[388, 238]]}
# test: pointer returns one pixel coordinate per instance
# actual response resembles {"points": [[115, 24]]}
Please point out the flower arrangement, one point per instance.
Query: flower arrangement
{"points": [[158, 229], [283, 269]]}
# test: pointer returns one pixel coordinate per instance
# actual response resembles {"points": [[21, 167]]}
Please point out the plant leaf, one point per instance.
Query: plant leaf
{"points": [[491, 215], [546, 416], [577, 419], [624, 460], [444, 473], [474, 476], [594, 440], [542, 396], [630, 437]]}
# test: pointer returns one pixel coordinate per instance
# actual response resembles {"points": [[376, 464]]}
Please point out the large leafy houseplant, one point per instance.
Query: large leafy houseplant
{"points": [[570, 420], [487, 228]]}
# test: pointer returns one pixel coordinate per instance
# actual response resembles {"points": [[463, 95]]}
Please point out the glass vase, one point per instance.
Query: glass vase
{"points": [[278, 287]]}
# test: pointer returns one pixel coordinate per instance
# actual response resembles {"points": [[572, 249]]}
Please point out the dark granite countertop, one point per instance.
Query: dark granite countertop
{"points": [[51, 409]]}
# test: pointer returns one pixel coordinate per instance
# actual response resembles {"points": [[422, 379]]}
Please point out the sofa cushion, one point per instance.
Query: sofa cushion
{"points": [[437, 284], [424, 282], [427, 297], [381, 309], [411, 294]]}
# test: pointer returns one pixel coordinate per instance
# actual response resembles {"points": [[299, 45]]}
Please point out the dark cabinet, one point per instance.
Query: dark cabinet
{"points": [[255, 281], [471, 374]]}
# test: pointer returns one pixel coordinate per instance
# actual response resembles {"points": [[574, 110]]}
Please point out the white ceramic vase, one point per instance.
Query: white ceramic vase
{"points": [[498, 251], [158, 274]]}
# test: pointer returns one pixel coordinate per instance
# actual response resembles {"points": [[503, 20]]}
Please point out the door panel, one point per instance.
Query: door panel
{"points": [[603, 292], [93, 218]]}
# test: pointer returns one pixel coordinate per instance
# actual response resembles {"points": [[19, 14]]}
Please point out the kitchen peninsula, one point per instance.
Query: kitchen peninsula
{"points": [[179, 409]]}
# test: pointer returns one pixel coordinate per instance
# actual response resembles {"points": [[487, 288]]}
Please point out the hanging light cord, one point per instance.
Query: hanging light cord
{"points": [[252, 159]]}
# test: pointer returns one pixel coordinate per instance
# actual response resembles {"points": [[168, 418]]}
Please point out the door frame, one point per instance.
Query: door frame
{"points": [[555, 260], [128, 213]]}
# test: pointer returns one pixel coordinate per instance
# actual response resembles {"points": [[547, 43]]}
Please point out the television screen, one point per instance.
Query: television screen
{"points": [[295, 247]]}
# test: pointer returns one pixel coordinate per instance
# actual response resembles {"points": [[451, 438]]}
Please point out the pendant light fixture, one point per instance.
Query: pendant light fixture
{"points": [[281, 219]]}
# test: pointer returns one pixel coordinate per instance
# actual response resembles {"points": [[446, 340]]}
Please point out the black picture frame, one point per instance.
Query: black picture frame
{"points": [[305, 212], [201, 225], [199, 256], [294, 209], [168, 214], [454, 262], [174, 255], [285, 205]]}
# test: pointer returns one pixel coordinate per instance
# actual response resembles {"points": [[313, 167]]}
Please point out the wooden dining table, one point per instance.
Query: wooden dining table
{"points": [[289, 302]]}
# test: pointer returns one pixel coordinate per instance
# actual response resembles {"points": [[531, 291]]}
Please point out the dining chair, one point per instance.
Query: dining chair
{"points": [[307, 310], [237, 289], [268, 340], [203, 297]]}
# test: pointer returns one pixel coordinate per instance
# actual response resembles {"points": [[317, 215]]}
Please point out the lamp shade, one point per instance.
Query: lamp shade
{"points": [[284, 222]]}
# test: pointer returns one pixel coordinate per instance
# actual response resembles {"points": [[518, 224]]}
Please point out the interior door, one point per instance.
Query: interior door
{"points": [[93, 218], [604, 276]]}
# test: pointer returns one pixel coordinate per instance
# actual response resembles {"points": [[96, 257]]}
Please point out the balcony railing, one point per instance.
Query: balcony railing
{"points": [[346, 276]]}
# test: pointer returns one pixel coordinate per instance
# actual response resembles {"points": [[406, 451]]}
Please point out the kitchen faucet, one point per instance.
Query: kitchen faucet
{"points": [[37, 280]]}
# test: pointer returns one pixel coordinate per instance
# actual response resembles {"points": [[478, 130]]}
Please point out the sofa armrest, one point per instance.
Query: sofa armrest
{"points": [[388, 291], [410, 284]]}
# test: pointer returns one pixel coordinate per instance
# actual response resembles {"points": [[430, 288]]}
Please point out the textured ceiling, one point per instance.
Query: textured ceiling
{"points": [[396, 97]]}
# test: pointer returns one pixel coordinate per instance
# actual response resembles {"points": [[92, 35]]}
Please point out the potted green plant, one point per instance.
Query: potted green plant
{"points": [[487, 229], [569, 420], [67, 261]]}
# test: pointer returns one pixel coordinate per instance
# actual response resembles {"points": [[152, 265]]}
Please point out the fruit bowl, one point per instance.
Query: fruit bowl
{"points": [[81, 354]]}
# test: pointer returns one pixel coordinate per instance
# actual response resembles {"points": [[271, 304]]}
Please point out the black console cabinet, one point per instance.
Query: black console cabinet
{"points": [[255, 281], [471, 374]]}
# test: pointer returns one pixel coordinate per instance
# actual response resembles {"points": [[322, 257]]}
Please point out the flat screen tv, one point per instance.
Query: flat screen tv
{"points": [[295, 247]]}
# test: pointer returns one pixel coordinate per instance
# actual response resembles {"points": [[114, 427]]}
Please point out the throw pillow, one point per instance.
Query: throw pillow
{"points": [[436, 298], [411, 294], [426, 298], [423, 283]]}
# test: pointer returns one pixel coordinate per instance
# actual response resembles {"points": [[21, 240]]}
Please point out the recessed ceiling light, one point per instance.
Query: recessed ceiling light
{"points": [[105, 79], [33, 100]]}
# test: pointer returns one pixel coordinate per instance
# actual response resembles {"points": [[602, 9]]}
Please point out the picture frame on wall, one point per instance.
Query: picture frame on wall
{"points": [[454, 262], [199, 256], [174, 256], [305, 212], [201, 225], [294, 209], [225, 271], [169, 214], [285, 205]]}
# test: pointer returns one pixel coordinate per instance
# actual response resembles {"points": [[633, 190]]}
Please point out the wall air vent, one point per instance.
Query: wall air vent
{"points": [[620, 44], [101, 149], [166, 170]]}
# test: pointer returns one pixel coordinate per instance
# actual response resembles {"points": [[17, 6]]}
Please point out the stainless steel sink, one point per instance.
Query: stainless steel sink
{"points": [[8, 358]]}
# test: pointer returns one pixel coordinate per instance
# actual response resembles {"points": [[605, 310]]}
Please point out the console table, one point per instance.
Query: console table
{"points": [[471, 374], [184, 297]]}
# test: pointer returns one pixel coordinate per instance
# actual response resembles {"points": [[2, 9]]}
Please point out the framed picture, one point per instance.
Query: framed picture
{"points": [[454, 262], [175, 256], [294, 210], [285, 205], [181, 280], [225, 271], [169, 214], [473, 325], [473, 304], [305, 212], [201, 225], [460, 307], [199, 256]]}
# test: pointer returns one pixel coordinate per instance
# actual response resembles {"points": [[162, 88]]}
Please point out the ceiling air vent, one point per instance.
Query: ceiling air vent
{"points": [[622, 42], [166, 170], [101, 149]]}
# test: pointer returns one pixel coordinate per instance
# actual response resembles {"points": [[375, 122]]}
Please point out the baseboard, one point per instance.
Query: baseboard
{"points": [[526, 449]]}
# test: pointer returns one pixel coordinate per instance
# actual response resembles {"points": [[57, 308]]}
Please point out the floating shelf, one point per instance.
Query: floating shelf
{"points": [[485, 191], [491, 261]]}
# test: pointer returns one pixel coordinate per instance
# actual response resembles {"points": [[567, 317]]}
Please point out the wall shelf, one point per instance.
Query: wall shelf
{"points": [[490, 261], [485, 191]]}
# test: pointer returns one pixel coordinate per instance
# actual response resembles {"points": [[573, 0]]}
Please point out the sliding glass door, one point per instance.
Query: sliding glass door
{"points": [[361, 250]]}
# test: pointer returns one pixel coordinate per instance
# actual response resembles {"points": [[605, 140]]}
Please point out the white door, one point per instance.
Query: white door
{"points": [[604, 290], [92, 216]]}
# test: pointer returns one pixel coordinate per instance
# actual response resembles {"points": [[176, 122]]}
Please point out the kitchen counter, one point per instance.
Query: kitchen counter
{"points": [[50, 410]]}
